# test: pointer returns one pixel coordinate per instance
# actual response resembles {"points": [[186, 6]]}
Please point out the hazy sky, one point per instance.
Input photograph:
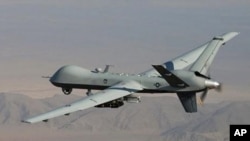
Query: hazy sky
{"points": [[39, 36]]}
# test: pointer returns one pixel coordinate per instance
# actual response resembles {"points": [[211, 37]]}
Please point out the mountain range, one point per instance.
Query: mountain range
{"points": [[155, 118]]}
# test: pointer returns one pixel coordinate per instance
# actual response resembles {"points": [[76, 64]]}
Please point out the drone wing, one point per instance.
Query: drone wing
{"points": [[117, 91]]}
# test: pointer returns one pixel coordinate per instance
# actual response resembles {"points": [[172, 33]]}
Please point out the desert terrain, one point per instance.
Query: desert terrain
{"points": [[155, 118]]}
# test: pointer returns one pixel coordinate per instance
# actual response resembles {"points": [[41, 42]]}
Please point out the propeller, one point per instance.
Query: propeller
{"points": [[203, 96], [210, 84], [219, 88]]}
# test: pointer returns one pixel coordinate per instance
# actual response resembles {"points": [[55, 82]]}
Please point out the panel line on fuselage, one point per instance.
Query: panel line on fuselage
{"points": [[100, 81]]}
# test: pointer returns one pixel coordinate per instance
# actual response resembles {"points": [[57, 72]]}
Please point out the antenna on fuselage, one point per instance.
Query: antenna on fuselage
{"points": [[46, 76], [99, 70], [107, 68]]}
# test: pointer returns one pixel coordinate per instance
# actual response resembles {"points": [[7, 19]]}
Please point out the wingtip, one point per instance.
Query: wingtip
{"points": [[26, 121], [232, 33], [235, 33], [229, 35]]}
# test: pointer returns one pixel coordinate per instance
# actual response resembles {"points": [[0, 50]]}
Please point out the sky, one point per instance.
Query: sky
{"points": [[39, 36]]}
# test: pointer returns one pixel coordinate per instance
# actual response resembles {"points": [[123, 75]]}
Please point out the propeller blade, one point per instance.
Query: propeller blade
{"points": [[219, 88], [203, 95]]}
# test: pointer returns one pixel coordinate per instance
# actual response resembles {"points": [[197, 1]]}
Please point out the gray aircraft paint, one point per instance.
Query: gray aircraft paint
{"points": [[184, 75]]}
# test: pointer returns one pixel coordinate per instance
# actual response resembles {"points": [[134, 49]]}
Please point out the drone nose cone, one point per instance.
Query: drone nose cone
{"points": [[68, 74]]}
